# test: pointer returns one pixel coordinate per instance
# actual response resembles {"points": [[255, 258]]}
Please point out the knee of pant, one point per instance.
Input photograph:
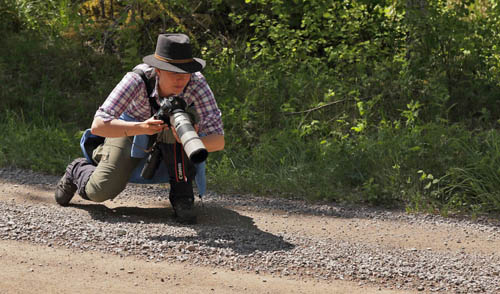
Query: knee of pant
{"points": [[101, 193], [98, 198]]}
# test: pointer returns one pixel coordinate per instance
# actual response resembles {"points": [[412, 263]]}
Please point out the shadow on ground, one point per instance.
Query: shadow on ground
{"points": [[217, 227]]}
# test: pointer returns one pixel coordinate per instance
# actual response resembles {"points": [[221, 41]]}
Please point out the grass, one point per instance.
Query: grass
{"points": [[439, 168], [37, 145]]}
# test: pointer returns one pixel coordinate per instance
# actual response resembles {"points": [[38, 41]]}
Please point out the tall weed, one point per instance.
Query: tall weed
{"points": [[474, 186]]}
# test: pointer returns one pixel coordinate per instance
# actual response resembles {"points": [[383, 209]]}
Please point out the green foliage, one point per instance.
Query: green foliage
{"points": [[8, 16], [48, 17], [277, 167], [54, 79], [51, 90], [39, 144], [450, 50]]}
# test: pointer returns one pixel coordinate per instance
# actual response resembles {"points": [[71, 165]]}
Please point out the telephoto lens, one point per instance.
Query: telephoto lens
{"points": [[174, 108], [193, 146]]}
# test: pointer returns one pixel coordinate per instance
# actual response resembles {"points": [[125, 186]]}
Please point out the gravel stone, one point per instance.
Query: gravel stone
{"points": [[152, 234]]}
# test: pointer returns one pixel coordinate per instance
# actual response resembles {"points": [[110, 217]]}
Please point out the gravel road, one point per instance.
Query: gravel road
{"points": [[282, 238]]}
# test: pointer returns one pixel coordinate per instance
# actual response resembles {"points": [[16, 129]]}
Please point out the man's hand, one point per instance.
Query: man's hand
{"points": [[177, 137], [152, 126]]}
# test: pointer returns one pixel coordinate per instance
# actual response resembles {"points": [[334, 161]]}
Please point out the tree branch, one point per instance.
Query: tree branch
{"points": [[315, 108]]}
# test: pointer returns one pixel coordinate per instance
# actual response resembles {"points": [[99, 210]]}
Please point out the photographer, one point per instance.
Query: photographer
{"points": [[127, 116]]}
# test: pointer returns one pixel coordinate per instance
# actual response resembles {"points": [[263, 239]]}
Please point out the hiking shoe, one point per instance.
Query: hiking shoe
{"points": [[184, 210], [64, 191]]}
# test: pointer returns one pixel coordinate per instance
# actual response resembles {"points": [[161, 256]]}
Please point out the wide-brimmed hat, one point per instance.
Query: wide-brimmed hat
{"points": [[174, 53]]}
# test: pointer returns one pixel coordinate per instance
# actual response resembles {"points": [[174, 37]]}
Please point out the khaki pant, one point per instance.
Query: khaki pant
{"points": [[113, 170]]}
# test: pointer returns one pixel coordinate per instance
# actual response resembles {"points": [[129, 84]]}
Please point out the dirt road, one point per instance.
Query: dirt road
{"points": [[242, 244]]}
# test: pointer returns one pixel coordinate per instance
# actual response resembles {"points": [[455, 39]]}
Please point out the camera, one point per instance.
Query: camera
{"points": [[173, 112]]}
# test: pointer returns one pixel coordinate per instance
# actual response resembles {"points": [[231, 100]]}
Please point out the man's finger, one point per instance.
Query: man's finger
{"points": [[175, 135], [156, 122]]}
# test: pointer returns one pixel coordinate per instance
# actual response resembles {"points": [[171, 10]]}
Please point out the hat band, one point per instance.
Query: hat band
{"points": [[173, 60]]}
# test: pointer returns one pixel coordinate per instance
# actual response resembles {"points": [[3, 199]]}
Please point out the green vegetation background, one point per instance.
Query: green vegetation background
{"points": [[383, 102]]}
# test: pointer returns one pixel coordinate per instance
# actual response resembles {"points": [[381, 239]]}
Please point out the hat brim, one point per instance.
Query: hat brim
{"points": [[190, 67]]}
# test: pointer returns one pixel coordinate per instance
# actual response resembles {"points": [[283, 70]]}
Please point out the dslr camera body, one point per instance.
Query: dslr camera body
{"points": [[173, 112]]}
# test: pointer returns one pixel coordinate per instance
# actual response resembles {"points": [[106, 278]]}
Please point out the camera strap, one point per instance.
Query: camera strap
{"points": [[150, 86], [180, 168]]}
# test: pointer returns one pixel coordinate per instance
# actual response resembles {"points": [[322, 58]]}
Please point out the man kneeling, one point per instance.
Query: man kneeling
{"points": [[128, 112]]}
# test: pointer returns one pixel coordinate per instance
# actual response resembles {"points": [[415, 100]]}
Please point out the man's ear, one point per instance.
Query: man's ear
{"points": [[157, 71]]}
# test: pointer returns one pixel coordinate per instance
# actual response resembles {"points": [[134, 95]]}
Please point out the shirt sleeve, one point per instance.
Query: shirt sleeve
{"points": [[121, 97], [206, 106]]}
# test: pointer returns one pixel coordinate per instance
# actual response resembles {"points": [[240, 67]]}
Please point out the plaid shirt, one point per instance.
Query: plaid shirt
{"points": [[130, 96]]}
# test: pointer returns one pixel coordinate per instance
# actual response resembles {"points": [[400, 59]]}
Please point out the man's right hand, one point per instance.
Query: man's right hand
{"points": [[152, 126]]}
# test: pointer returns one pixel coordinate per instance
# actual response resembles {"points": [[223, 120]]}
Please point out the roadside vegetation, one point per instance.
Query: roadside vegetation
{"points": [[393, 103]]}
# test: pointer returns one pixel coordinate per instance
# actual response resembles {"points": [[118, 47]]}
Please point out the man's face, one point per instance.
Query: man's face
{"points": [[172, 83]]}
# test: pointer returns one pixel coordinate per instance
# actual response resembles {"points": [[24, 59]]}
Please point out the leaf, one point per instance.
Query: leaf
{"points": [[415, 148], [428, 186]]}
